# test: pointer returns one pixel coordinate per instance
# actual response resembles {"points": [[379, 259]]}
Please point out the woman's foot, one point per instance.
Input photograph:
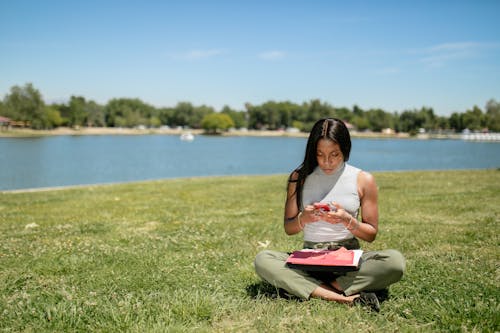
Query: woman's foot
{"points": [[367, 299], [330, 294]]}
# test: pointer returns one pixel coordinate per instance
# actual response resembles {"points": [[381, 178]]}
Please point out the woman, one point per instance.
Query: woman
{"points": [[324, 176]]}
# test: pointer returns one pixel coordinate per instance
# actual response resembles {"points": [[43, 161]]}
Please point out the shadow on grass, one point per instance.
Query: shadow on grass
{"points": [[265, 290]]}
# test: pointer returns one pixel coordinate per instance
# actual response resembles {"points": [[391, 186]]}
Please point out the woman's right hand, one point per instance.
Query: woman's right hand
{"points": [[309, 215]]}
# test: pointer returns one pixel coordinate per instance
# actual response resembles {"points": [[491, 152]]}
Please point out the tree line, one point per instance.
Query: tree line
{"points": [[25, 104]]}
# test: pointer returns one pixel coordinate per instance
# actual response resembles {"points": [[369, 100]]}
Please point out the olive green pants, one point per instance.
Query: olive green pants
{"points": [[378, 270]]}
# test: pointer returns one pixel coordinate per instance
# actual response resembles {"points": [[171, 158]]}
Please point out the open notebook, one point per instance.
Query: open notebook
{"points": [[341, 260]]}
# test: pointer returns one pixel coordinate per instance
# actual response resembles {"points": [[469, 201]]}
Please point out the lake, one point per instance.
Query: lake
{"points": [[77, 160]]}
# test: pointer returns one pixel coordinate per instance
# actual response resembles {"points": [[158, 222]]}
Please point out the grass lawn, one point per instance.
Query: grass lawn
{"points": [[177, 255]]}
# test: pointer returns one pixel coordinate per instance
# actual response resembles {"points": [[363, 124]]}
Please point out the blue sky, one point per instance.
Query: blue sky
{"points": [[394, 55]]}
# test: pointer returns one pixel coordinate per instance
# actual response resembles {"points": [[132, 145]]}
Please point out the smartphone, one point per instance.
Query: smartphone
{"points": [[324, 207]]}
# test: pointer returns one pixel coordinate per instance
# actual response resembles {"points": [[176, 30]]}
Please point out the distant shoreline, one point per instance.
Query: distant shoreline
{"points": [[25, 132]]}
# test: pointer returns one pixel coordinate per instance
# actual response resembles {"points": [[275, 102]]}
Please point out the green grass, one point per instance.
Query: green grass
{"points": [[177, 255]]}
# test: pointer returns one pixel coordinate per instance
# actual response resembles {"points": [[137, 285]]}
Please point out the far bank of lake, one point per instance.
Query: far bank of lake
{"points": [[389, 134], [27, 132]]}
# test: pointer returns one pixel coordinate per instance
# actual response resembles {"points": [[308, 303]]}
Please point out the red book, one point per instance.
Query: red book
{"points": [[341, 260]]}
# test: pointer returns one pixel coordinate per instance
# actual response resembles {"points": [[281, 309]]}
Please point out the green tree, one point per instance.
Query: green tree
{"points": [[429, 120], [299, 113], [378, 119], [412, 120], [345, 114], [154, 121], [493, 115], [26, 104], [473, 119], [63, 110], [199, 114], [183, 114], [442, 123], [298, 124], [77, 113], [238, 117], [257, 118], [215, 122], [127, 112], [318, 110], [53, 117], [290, 112], [358, 119], [360, 123], [357, 111], [455, 121], [279, 114], [272, 115], [315, 110], [166, 116], [95, 114]]}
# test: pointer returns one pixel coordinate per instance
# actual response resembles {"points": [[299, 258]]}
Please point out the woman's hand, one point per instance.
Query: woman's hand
{"points": [[340, 215], [309, 215]]}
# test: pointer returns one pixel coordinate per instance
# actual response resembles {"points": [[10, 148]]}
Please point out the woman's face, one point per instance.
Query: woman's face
{"points": [[328, 155]]}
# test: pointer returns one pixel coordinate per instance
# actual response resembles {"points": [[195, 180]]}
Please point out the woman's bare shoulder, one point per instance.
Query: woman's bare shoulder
{"points": [[365, 176], [366, 182]]}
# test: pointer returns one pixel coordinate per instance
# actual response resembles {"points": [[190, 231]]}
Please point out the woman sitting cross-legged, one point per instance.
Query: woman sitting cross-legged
{"points": [[325, 177]]}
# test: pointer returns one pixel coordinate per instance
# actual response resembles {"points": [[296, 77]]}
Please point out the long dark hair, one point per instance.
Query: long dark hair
{"points": [[328, 128]]}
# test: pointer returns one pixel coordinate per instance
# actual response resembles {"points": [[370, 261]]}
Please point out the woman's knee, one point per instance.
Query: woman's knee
{"points": [[395, 264], [264, 262], [261, 257]]}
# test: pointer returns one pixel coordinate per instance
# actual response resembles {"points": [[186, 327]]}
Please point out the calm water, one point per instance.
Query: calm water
{"points": [[73, 160]]}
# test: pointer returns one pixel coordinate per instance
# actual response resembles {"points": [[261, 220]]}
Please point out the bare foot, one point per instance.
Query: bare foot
{"points": [[330, 294]]}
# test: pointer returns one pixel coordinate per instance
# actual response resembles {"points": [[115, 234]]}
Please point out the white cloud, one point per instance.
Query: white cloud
{"points": [[454, 47], [272, 55], [440, 55]]}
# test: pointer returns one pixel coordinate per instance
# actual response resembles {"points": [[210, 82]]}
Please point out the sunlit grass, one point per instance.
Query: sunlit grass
{"points": [[177, 255]]}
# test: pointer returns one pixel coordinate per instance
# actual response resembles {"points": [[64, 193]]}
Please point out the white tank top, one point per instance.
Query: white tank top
{"points": [[341, 187]]}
